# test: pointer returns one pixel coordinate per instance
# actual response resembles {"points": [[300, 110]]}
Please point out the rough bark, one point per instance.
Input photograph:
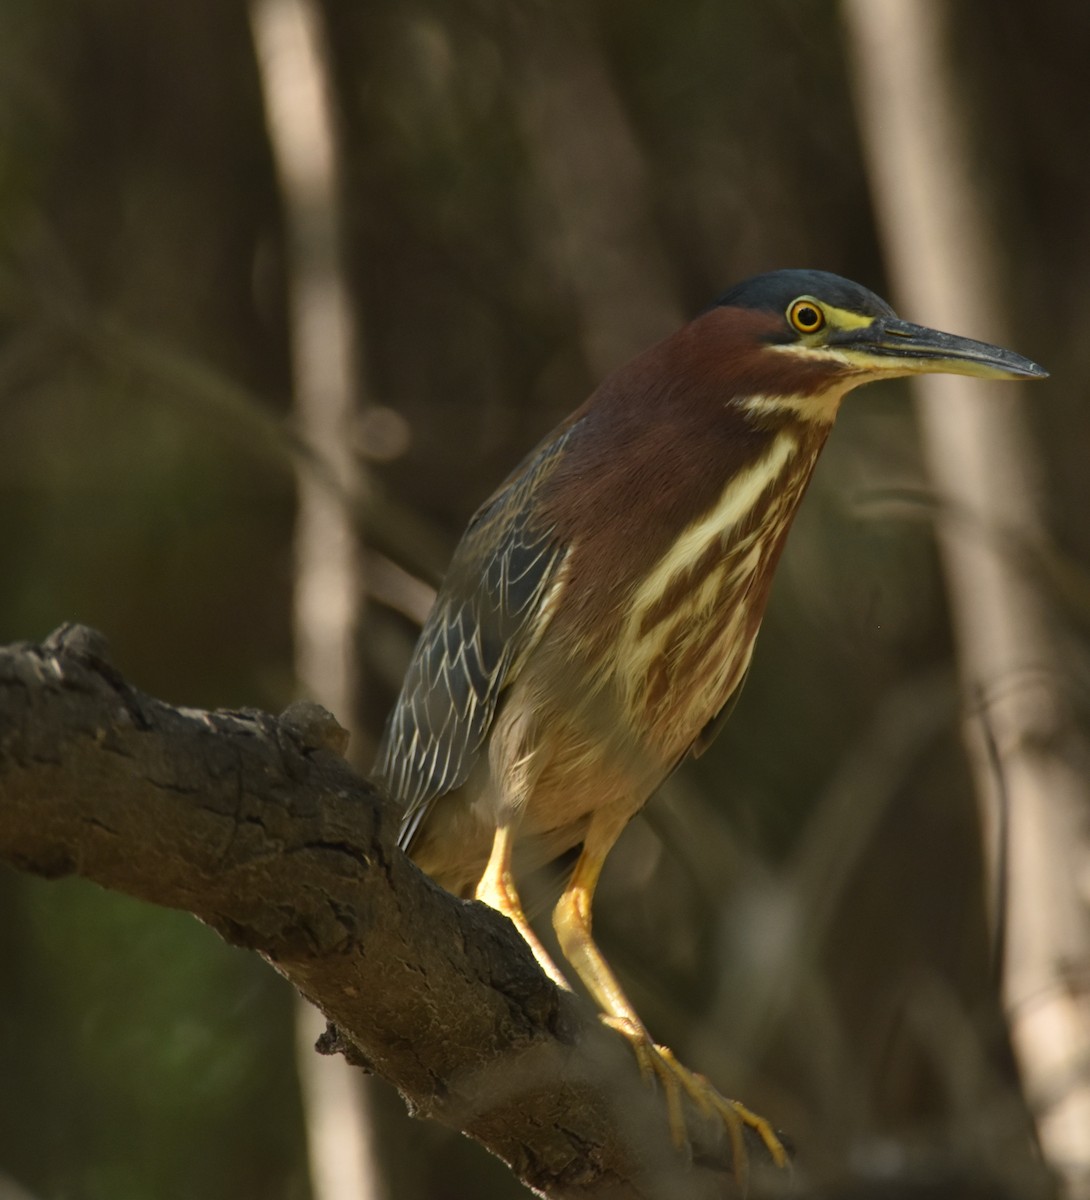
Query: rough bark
{"points": [[258, 826]]}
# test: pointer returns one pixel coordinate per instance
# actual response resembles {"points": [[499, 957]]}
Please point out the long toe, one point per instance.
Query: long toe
{"points": [[659, 1062]]}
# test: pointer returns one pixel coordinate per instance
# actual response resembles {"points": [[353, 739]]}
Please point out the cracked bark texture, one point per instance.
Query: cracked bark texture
{"points": [[258, 826]]}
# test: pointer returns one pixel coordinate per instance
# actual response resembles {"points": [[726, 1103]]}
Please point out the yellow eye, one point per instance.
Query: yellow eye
{"points": [[806, 316]]}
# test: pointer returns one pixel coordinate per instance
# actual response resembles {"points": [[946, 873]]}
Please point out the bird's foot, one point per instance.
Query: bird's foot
{"points": [[659, 1062]]}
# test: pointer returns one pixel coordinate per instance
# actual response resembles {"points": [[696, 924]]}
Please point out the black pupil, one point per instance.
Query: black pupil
{"points": [[807, 316]]}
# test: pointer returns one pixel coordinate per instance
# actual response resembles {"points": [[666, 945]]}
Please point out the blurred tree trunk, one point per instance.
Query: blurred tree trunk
{"points": [[328, 594], [982, 462], [596, 189]]}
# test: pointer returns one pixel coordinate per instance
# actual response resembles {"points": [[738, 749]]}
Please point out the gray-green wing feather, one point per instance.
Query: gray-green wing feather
{"points": [[483, 621]]}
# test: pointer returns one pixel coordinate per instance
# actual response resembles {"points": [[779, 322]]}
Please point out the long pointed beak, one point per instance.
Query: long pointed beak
{"points": [[890, 346]]}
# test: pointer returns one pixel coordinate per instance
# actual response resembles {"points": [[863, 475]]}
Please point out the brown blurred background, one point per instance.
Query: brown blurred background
{"points": [[529, 195]]}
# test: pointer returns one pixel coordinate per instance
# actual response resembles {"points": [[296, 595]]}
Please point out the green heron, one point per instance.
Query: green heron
{"points": [[601, 609]]}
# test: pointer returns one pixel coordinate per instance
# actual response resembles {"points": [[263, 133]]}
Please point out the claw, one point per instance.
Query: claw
{"points": [[571, 920], [660, 1062]]}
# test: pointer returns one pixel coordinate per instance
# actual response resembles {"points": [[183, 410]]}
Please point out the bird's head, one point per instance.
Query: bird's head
{"points": [[818, 325]]}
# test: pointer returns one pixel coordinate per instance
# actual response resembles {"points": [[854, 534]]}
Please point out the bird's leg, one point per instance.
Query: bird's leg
{"points": [[496, 888], [572, 921]]}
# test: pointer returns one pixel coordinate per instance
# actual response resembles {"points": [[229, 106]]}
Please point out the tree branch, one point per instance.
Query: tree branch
{"points": [[258, 826]]}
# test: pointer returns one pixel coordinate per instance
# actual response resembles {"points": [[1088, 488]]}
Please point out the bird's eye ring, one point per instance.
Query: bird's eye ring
{"points": [[806, 316]]}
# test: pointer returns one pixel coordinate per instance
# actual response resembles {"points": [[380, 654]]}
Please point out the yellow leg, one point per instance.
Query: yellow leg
{"points": [[497, 889], [572, 921]]}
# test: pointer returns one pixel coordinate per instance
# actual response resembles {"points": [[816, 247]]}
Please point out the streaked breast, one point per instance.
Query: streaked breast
{"points": [[688, 633]]}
